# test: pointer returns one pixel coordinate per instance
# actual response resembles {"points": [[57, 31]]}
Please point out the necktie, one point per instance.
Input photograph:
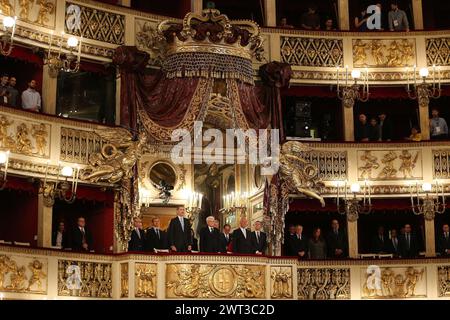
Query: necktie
{"points": [[83, 235], [138, 233], [395, 243], [182, 223], [244, 233], [257, 236], [157, 233], [226, 236], [210, 229], [407, 239], [298, 237], [446, 236]]}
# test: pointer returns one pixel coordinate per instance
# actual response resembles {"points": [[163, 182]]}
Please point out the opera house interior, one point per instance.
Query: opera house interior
{"points": [[224, 150]]}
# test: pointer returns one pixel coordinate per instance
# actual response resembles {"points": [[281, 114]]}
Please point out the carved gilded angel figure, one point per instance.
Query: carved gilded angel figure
{"points": [[6, 8], [40, 135], [388, 171], [359, 52], [301, 176], [408, 163], [370, 163], [25, 6], [46, 8], [23, 142], [6, 141], [377, 52], [116, 159], [36, 274]]}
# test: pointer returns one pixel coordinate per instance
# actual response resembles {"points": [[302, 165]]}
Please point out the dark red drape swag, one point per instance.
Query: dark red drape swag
{"points": [[165, 101]]}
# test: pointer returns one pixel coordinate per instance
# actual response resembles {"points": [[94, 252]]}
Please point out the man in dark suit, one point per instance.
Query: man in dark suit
{"points": [[81, 238], [393, 244], [155, 237], [298, 244], [179, 232], [137, 239], [226, 239], [443, 241], [259, 239], [210, 237], [241, 238], [385, 126], [59, 237], [287, 239], [408, 244], [379, 242], [337, 242]]}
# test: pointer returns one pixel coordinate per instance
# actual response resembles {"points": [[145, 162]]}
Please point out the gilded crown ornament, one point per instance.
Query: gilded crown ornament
{"points": [[210, 45]]}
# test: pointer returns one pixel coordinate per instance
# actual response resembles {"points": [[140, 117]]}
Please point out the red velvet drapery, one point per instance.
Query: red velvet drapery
{"points": [[170, 103], [19, 211]]}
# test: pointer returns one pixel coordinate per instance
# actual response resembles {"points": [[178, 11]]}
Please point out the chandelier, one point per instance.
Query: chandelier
{"points": [[194, 205], [62, 188], [4, 161], [349, 93], [68, 61], [7, 35], [355, 204], [235, 203], [424, 90], [427, 203]]}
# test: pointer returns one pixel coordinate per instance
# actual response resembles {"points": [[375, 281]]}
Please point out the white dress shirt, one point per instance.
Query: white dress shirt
{"points": [[244, 232], [59, 237], [31, 99]]}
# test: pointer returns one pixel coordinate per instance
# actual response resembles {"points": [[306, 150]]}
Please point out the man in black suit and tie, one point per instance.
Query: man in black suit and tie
{"points": [[443, 241], [226, 239], [241, 238], [287, 239], [156, 238], [337, 242], [179, 232], [81, 239], [210, 237], [393, 243], [298, 244], [259, 239], [408, 244], [137, 239], [379, 241]]}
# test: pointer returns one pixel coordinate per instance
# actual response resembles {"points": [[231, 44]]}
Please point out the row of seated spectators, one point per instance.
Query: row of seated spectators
{"points": [[380, 128], [395, 20]]}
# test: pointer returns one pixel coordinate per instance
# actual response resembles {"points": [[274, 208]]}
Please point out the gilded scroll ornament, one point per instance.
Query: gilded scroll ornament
{"points": [[84, 279], [444, 281], [116, 159], [323, 284], [145, 285], [18, 276], [124, 280], [215, 281], [301, 176], [281, 283], [393, 283]]}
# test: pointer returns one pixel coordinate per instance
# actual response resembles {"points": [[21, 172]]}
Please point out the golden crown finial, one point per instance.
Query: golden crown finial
{"points": [[212, 32]]}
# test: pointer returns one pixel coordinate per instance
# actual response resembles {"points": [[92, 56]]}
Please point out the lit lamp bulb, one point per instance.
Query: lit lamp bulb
{"points": [[424, 72], [67, 171], [426, 187], [4, 157], [72, 42], [355, 188], [356, 74], [9, 22]]}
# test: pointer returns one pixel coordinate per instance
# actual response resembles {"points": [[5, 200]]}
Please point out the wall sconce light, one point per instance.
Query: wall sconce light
{"points": [[67, 62], [424, 90], [426, 202], [4, 162], [7, 35], [354, 205], [62, 188], [350, 93]]}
